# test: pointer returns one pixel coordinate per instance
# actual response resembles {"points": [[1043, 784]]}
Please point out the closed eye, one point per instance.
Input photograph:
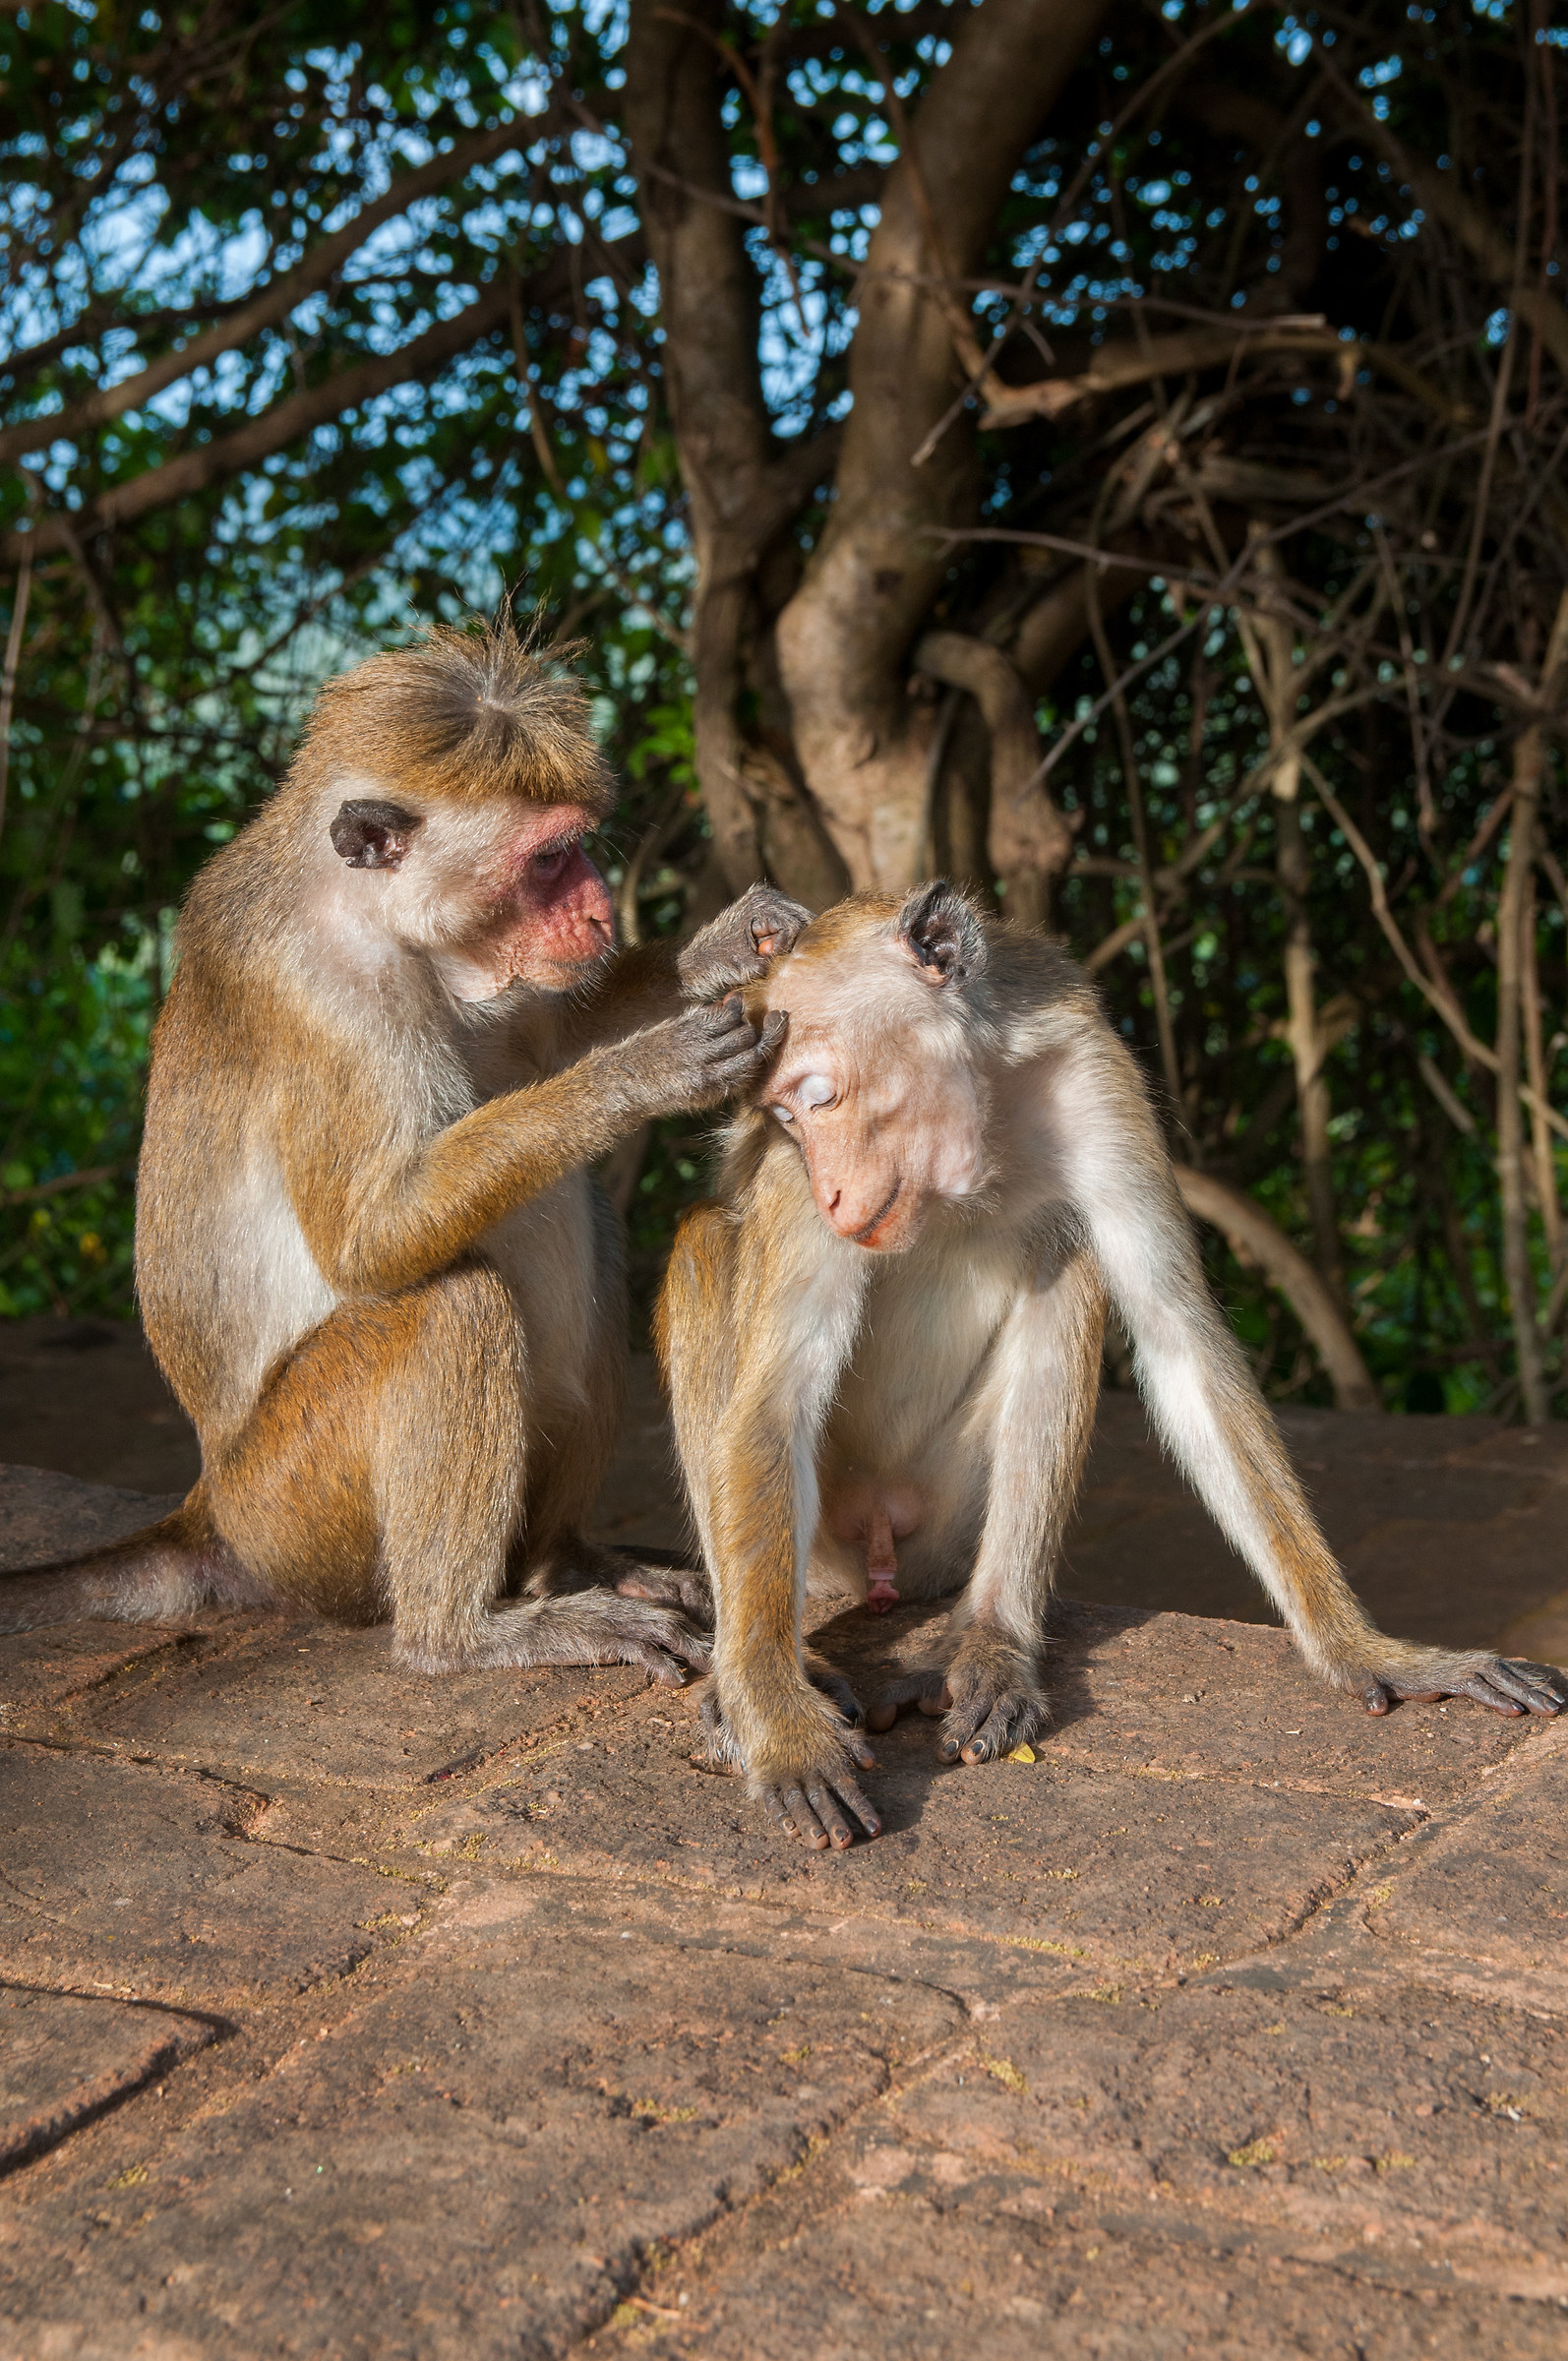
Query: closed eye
{"points": [[786, 1114]]}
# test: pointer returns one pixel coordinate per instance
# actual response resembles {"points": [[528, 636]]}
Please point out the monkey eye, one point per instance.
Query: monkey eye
{"points": [[816, 1091], [552, 861], [786, 1114]]}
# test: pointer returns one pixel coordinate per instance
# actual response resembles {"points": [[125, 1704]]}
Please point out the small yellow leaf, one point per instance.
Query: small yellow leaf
{"points": [[1022, 1754]]}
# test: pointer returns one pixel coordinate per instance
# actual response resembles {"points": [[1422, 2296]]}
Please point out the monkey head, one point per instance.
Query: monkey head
{"points": [[877, 1080], [454, 782]]}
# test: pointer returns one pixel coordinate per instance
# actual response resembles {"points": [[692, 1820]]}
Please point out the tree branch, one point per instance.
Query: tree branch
{"points": [[284, 423], [274, 303], [1257, 1240], [1029, 842]]}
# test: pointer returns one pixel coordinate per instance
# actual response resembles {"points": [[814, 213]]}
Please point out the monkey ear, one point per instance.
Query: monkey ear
{"points": [[942, 933], [368, 834]]}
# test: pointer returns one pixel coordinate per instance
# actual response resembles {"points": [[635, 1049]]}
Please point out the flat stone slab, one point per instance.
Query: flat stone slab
{"points": [[1487, 1893], [479, 2161], [121, 1878], [65, 2058], [306, 1701], [1233, 2021], [1095, 1870]]}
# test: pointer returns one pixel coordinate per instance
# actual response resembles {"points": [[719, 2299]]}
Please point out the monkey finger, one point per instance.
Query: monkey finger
{"points": [[680, 1587], [1487, 1690], [1376, 1698], [825, 1804], [777, 922], [794, 1816], [666, 1670], [961, 1724], [850, 1792], [724, 1023], [1000, 1731]]}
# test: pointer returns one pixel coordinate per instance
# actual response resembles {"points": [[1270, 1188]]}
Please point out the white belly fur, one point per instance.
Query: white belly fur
{"points": [[912, 1418]]}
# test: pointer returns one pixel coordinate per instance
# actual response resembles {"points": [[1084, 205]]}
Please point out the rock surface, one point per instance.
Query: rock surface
{"points": [[347, 2013]]}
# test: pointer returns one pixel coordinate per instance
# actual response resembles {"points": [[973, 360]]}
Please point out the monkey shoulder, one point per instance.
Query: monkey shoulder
{"points": [[1036, 997]]}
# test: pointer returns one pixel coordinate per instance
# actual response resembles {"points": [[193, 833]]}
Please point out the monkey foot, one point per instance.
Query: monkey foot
{"points": [[684, 1588], [810, 1801], [1507, 1684]]}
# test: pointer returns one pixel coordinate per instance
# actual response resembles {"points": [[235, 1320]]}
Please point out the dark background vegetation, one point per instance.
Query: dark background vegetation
{"points": [[899, 402]]}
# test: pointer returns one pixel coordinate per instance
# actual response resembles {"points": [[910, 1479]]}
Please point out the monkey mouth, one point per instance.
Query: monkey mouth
{"points": [[865, 1233]]}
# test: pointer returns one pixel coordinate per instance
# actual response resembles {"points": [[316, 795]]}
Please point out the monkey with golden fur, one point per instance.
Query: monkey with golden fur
{"points": [[883, 1346], [370, 1257]]}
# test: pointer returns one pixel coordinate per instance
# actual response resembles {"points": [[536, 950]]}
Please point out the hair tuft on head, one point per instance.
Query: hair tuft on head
{"points": [[467, 711]]}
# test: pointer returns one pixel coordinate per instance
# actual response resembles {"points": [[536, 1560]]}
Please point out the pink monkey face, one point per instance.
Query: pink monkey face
{"points": [[876, 1080]]}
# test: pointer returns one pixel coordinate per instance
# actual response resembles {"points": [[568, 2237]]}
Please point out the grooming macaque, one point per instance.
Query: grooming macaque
{"points": [[370, 1258], [884, 1347]]}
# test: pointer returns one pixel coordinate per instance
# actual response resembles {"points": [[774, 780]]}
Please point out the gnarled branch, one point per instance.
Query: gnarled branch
{"points": [[1256, 1239]]}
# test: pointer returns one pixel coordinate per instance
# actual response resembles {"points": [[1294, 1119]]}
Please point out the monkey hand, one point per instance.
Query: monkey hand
{"points": [[989, 1698], [734, 948], [1401, 1674], [695, 1060], [812, 1751]]}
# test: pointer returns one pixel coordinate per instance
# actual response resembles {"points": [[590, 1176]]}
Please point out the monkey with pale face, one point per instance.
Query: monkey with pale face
{"points": [[884, 1349], [370, 1257]]}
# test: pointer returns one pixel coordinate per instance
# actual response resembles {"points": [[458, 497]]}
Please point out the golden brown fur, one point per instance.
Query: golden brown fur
{"points": [[368, 1255], [884, 1349]]}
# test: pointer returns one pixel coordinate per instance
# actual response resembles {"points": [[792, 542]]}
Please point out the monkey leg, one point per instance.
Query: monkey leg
{"points": [[386, 1467], [768, 1714], [154, 1576], [1036, 1414], [552, 1556]]}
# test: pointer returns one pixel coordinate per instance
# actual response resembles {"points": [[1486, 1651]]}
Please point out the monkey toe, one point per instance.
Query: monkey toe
{"points": [[1530, 1688], [987, 1727], [928, 1690], [816, 1809], [835, 1688], [1502, 1684], [682, 1588]]}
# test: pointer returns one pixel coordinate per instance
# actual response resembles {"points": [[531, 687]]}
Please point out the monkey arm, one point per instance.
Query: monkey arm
{"points": [[1211, 1415], [633, 989], [1042, 1392], [394, 1215], [748, 1425]]}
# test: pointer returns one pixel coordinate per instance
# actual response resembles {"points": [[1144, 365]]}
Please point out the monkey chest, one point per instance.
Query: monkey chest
{"points": [[925, 1354]]}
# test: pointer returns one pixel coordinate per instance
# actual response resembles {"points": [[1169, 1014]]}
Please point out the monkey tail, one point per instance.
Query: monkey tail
{"points": [[155, 1575]]}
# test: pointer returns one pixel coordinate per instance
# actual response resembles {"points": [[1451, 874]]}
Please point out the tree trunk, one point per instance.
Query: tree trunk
{"points": [[852, 791], [1270, 643], [1530, 761]]}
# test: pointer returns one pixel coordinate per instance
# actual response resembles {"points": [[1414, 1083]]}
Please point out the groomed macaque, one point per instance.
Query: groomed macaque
{"points": [[370, 1259], [884, 1347]]}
